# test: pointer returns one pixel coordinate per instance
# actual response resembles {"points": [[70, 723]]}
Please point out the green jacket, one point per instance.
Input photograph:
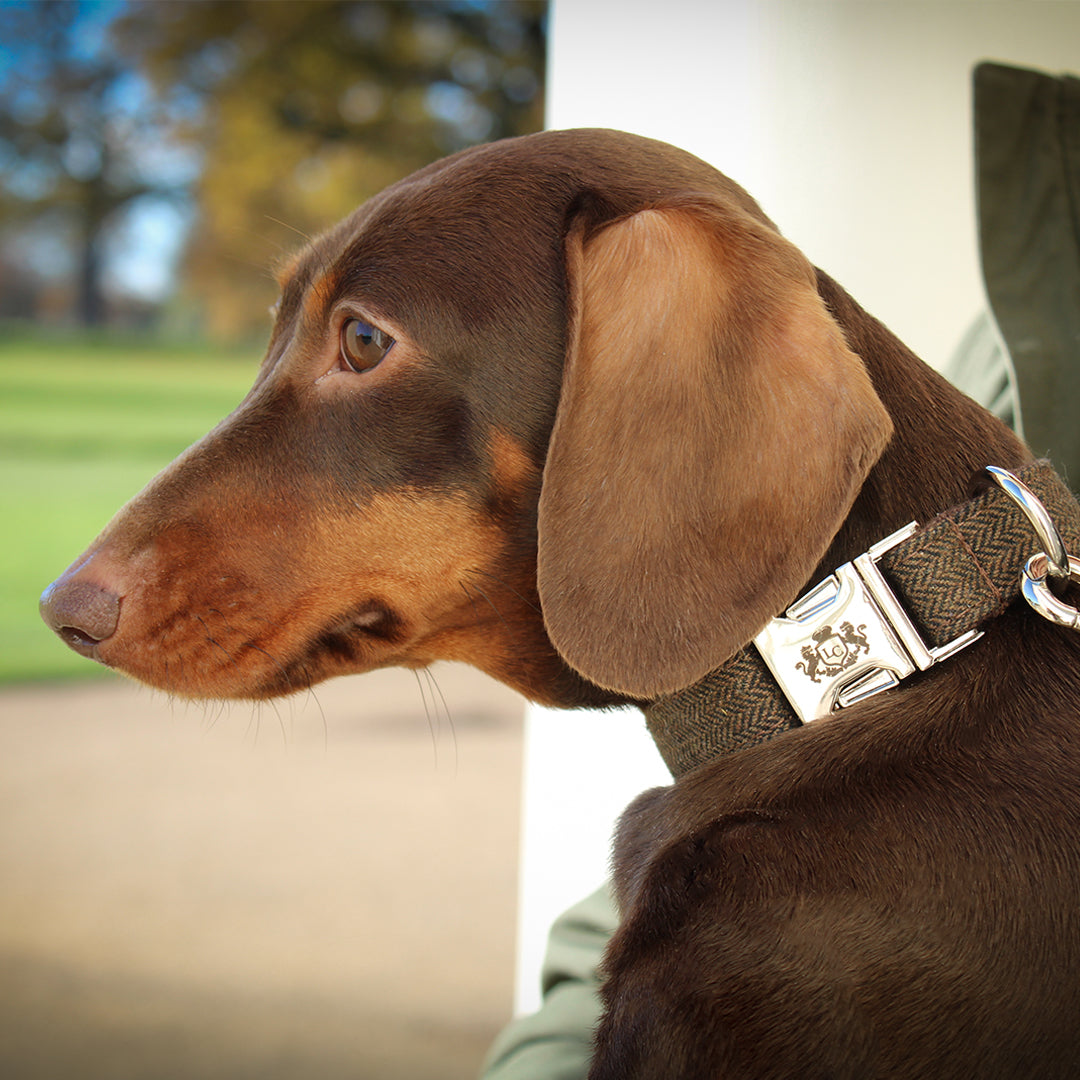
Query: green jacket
{"points": [[1027, 155]]}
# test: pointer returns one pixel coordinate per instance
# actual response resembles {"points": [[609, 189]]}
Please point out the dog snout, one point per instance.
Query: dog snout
{"points": [[81, 612]]}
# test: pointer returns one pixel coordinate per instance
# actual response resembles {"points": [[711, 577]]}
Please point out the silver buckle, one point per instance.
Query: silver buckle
{"points": [[848, 638]]}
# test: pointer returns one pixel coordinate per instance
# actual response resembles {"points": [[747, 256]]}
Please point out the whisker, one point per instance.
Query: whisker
{"points": [[505, 585], [274, 660], [469, 597], [318, 704], [491, 605], [210, 639], [213, 711], [427, 713], [292, 228], [221, 616], [280, 720], [309, 688], [253, 720], [437, 689]]}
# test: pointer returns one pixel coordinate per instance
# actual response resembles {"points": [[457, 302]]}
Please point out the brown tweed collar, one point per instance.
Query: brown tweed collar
{"points": [[950, 577]]}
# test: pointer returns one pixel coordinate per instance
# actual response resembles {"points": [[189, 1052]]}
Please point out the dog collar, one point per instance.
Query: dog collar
{"points": [[912, 601]]}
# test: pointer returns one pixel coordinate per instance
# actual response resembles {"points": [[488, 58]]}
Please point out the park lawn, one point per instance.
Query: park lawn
{"points": [[84, 424]]}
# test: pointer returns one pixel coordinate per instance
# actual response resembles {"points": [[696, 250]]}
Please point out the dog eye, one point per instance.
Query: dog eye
{"points": [[363, 345]]}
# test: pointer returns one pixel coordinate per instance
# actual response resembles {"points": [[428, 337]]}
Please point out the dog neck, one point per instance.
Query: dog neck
{"points": [[947, 579]]}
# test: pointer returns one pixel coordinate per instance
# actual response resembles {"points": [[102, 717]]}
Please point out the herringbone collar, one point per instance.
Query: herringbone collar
{"points": [[950, 577]]}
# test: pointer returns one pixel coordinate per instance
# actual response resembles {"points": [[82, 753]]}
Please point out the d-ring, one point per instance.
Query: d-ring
{"points": [[1059, 565], [1037, 593]]}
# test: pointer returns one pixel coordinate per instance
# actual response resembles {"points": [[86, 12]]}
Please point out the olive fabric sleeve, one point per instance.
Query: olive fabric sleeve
{"points": [[1027, 154], [555, 1043]]}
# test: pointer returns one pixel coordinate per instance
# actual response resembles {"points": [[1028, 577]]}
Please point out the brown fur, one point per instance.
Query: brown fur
{"points": [[761, 424], [623, 425]]}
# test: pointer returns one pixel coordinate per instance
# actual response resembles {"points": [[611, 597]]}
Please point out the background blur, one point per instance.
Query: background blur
{"points": [[157, 157], [328, 887], [325, 887]]}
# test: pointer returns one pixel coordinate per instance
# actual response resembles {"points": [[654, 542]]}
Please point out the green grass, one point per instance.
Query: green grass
{"points": [[84, 424]]}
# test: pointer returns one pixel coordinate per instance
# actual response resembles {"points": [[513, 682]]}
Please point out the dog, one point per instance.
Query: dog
{"points": [[570, 409]]}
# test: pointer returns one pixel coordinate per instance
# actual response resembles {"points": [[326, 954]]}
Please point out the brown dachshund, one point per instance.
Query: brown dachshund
{"points": [[568, 408]]}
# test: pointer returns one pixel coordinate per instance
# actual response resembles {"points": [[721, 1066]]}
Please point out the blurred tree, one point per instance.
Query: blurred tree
{"points": [[80, 139], [309, 108]]}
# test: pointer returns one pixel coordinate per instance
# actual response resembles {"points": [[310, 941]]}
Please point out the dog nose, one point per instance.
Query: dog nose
{"points": [[82, 613]]}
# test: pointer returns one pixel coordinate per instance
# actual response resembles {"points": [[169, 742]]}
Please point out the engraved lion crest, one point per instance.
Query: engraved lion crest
{"points": [[833, 651]]}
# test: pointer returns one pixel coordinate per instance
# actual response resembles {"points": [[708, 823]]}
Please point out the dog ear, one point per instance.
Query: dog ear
{"points": [[712, 433]]}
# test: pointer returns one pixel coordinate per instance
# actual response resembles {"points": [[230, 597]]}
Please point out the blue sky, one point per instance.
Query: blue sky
{"points": [[145, 242]]}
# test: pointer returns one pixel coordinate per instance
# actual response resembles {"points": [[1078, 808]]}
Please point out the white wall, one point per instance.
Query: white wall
{"points": [[850, 122]]}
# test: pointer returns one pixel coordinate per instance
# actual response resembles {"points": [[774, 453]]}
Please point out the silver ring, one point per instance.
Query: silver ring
{"points": [[1058, 562], [1037, 593]]}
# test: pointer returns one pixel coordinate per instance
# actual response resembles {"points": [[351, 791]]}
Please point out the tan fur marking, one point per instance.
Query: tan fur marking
{"points": [[512, 470], [319, 295], [284, 269]]}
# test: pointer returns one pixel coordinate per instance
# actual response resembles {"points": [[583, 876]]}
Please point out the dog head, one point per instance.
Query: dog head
{"points": [[565, 407]]}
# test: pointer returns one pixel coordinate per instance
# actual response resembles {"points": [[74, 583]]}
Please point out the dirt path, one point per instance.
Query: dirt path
{"points": [[322, 890]]}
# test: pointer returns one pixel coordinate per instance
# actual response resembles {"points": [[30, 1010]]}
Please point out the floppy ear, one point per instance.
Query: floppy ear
{"points": [[712, 434]]}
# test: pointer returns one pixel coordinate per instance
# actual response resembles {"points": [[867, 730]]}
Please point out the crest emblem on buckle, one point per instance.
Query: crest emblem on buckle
{"points": [[821, 669], [832, 652]]}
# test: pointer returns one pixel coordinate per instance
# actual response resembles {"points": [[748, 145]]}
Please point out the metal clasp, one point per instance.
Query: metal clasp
{"points": [[1036, 591], [1057, 565], [1053, 562], [848, 638]]}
